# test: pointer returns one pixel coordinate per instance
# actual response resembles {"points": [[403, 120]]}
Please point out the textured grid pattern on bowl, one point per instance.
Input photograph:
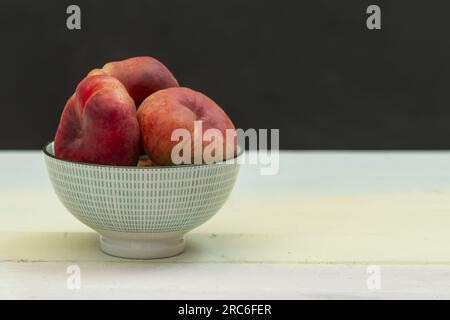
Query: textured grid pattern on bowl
{"points": [[142, 200]]}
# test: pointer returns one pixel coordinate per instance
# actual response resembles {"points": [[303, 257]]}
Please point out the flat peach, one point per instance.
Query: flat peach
{"points": [[99, 124], [181, 108], [141, 76]]}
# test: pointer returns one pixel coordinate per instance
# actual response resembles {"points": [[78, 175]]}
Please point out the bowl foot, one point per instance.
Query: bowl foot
{"points": [[126, 245]]}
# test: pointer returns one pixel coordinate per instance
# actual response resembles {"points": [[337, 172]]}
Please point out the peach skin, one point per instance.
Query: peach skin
{"points": [[181, 108], [99, 124], [141, 76]]}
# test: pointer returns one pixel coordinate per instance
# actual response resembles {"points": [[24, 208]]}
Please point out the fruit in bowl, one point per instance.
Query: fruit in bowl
{"points": [[99, 124], [179, 108], [141, 205], [142, 76]]}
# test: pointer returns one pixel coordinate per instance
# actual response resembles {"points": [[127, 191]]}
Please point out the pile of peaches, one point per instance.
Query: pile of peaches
{"points": [[131, 108]]}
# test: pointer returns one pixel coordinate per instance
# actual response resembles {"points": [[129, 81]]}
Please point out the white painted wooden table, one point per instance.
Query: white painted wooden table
{"points": [[309, 232]]}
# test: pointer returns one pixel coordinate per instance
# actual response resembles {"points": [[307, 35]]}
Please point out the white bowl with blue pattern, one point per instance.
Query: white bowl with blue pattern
{"points": [[141, 212]]}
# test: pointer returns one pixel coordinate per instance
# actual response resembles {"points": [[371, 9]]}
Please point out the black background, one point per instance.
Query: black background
{"points": [[310, 68]]}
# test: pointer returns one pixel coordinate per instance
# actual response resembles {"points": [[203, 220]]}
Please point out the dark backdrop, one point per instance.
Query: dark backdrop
{"points": [[310, 68]]}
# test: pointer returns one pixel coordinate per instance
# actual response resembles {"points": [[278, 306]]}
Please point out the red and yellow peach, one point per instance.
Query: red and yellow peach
{"points": [[99, 124]]}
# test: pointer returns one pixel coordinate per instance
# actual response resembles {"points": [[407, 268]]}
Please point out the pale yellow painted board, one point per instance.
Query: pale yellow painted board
{"points": [[365, 228]]}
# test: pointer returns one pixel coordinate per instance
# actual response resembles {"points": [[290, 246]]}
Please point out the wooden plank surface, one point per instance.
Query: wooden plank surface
{"points": [[309, 231]]}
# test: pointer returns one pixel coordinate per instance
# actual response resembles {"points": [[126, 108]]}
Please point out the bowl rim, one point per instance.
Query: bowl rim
{"points": [[48, 154]]}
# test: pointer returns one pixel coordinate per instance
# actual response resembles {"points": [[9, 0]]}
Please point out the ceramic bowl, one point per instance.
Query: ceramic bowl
{"points": [[141, 212]]}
